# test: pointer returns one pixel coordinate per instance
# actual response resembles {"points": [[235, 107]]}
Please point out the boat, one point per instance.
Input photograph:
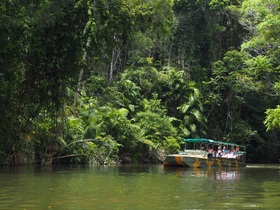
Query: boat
{"points": [[203, 153]]}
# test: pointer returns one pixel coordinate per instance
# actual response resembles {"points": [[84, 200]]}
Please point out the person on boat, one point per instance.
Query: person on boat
{"points": [[219, 152], [215, 153], [237, 149], [210, 150], [231, 153], [225, 152], [238, 154]]}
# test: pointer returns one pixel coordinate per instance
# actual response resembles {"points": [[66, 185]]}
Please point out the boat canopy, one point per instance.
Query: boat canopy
{"points": [[209, 141]]}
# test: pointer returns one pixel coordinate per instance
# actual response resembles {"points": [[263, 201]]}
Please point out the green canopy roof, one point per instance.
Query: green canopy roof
{"points": [[203, 140]]}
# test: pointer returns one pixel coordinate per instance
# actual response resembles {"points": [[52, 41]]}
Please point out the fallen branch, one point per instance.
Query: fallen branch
{"points": [[66, 156]]}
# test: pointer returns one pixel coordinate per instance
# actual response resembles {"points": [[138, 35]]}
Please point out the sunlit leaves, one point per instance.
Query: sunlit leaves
{"points": [[184, 108], [277, 87], [155, 125], [272, 120], [263, 47], [264, 16], [107, 129], [171, 144], [258, 65], [192, 111], [76, 127], [129, 88], [217, 4]]}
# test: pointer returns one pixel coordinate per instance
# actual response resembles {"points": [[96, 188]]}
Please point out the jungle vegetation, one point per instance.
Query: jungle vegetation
{"points": [[100, 81]]}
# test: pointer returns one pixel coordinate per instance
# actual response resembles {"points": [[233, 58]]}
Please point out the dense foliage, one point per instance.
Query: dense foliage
{"points": [[99, 81]]}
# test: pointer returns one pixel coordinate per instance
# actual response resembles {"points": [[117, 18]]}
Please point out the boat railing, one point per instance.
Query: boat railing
{"points": [[240, 156], [194, 152]]}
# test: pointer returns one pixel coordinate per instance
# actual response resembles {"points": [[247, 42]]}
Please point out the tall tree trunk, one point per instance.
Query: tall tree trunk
{"points": [[79, 87], [113, 64], [80, 84], [91, 12]]}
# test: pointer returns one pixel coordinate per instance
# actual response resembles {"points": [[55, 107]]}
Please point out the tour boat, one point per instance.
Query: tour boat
{"points": [[208, 153]]}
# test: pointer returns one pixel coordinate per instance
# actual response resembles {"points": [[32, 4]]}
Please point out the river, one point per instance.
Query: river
{"points": [[134, 187]]}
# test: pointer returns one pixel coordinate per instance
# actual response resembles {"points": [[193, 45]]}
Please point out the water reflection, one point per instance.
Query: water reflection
{"points": [[233, 174], [139, 187]]}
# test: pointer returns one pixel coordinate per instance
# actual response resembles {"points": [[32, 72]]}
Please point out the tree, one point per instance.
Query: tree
{"points": [[38, 64], [205, 31], [245, 80]]}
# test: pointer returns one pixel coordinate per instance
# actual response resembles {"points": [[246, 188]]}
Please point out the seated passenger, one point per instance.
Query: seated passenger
{"points": [[225, 150], [237, 149], [219, 152], [210, 150], [231, 153], [215, 154]]}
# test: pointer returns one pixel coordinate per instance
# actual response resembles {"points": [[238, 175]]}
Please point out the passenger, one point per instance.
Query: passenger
{"points": [[210, 150], [231, 153], [219, 152], [237, 149], [237, 152], [225, 152], [215, 154]]}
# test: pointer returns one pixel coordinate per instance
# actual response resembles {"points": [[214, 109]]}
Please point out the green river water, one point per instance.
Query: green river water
{"points": [[138, 187]]}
